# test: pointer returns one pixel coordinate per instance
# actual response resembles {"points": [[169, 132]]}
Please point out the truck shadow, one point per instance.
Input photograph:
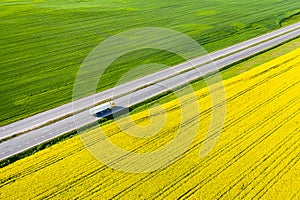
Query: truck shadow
{"points": [[117, 111]]}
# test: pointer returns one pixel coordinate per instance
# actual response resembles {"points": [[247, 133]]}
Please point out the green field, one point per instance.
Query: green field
{"points": [[43, 43]]}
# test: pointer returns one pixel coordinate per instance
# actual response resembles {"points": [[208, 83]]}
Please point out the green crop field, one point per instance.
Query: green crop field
{"points": [[43, 43]]}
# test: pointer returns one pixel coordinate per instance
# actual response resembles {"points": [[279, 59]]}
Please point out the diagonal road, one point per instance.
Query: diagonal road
{"points": [[164, 80]]}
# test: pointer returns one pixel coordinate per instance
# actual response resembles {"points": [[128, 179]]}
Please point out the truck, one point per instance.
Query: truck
{"points": [[103, 107]]}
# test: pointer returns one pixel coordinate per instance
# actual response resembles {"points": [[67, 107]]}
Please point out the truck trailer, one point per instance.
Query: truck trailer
{"points": [[102, 107]]}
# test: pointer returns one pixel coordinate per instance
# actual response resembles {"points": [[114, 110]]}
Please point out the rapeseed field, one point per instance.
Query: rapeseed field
{"points": [[256, 156]]}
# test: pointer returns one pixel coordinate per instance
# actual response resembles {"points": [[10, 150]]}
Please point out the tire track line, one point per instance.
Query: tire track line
{"points": [[237, 157], [230, 146], [291, 164], [268, 170], [250, 169]]}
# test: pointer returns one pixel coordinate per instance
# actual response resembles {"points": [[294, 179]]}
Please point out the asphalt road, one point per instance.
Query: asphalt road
{"points": [[132, 93]]}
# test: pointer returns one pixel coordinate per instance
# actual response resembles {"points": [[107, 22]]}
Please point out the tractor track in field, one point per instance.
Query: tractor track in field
{"points": [[228, 147], [200, 184], [250, 169], [268, 170], [291, 164]]}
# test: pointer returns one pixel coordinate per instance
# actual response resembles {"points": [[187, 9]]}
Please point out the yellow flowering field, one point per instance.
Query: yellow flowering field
{"points": [[256, 156]]}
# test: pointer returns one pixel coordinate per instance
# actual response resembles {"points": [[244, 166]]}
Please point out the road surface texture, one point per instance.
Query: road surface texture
{"points": [[130, 93]]}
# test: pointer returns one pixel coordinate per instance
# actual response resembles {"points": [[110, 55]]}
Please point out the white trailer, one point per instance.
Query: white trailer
{"points": [[102, 107]]}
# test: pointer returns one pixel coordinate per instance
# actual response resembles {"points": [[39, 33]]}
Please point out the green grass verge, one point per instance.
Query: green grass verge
{"points": [[234, 70], [291, 19], [43, 43]]}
